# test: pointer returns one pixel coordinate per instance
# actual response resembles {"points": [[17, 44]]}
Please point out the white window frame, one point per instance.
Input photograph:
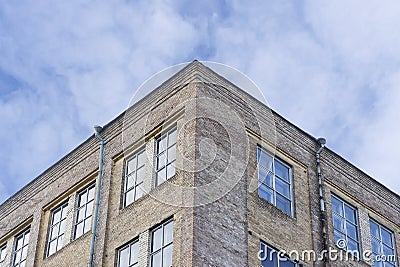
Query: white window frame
{"points": [[167, 162], [18, 261], [84, 206], [63, 209], [274, 177]]}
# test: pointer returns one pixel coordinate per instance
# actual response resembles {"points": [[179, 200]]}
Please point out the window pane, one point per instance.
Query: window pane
{"points": [[352, 245], [81, 214], [386, 237], [350, 213], [156, 259], [265, 160], [89, 209], [337, 206], [387, 251], [22, 264], [172, 137], [374, 229], [134, 252], [140, 175], [52, 247], [91, 193], [338, 236], [82, 200], [131, 165], [161, 160], [64, 212], [129, 197], [161, 176], [123, 260], [171, 154], [54, 232], [266, 193], [282, 187], [168, 233], [338, 222], [24, 253], [282, 171], [141, 159], [56, 216], [287, 263], [79, 230], [19, 243], [139, 191], [376, 246], [60, 242], [130, 181], [283, 203], [265, 177], [351, 230], [88, 224], [157, 239], [167, 256], [162, 144], [170, 170]]}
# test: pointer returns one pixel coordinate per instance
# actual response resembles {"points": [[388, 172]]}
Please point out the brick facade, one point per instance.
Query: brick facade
{"points": [[219, 218]]}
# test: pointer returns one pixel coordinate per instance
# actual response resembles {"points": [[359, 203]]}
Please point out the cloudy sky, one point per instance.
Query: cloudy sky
{"points": [[330, 67]]}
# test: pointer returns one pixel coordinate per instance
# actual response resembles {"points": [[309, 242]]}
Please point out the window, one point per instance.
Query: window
{"points": [[128, 255], [84, 210], [20, 249], [275, 181], [57, 229], [161, 245], [269, 258], [345, 225], [383, 245], [3, 251], [166, 156], [135, 172]]}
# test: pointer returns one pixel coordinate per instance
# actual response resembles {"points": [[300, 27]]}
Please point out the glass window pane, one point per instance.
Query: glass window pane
{"points": [[130, 181], [338, 222], [64, 212], [89, 209], [56, 216], [351, 230], [26, 237], [167, 256], [88, 224], [81, 214], [140, 175], [265, 160], [374, 229], [60, 242], [162, 144], [22, 264], [350, 213], [338, 236], [131, 165], [386, 237], [54, 232], [52, 247], [19, 243], [265, 177], [283, 203], [161, 176], [82, 200], [168, 233], [376, 247], [171, 153], [172, 137], [157, 239], [387, 251], [91, 193], [337, 206], [161, 160], [282, 187], [352, 245], [123, 260], [134, 252], [282, 171], [129, 197], [24, 252], [156, 260], [141, 159], [287, 263], [266, 193], [79, 230], [170, 170], [139, 191]]}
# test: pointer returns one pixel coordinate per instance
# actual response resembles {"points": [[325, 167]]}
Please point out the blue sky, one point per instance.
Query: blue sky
{"points": [[330, 67]]}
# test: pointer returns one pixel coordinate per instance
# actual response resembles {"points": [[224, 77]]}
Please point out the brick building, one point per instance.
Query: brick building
{"points": [[199, 173]]}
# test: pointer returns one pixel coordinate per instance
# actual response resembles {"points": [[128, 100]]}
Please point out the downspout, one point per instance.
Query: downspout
{"points": [[322, 142], [97, 130]]}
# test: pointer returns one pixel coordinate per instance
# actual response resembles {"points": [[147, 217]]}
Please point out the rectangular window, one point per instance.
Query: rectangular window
{"points": [[383, 248], [345, 225], [20, 249], [275, 181], [84, 210], [165, 156], [57, 229], [134, 177], [3, 251], [271, 258], [128, 255], [161, 245]]}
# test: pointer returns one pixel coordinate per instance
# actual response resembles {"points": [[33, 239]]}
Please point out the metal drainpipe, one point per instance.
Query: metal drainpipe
{"points": [[322, 142], [97, 130]]}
